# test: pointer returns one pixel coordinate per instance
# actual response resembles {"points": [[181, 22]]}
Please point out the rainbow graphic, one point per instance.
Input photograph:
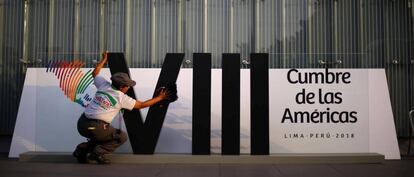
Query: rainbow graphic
{"points": [[72, 81]]}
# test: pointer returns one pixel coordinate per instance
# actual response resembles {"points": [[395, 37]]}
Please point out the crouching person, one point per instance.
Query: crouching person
{"points": [[94, 123]]}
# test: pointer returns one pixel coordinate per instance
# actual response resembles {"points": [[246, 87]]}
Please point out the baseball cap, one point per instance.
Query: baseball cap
{"points": [[122, 79]]}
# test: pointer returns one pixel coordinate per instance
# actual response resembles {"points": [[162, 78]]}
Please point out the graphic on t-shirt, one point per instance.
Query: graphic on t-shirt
{"points": [[104, 100], [72, 81]]}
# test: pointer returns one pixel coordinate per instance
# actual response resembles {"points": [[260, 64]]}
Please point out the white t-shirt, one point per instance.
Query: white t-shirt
{"points": [[107, 102]]}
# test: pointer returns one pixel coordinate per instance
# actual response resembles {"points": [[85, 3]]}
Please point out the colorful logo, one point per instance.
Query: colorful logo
{"points": [[104, 100], [72, 81]]}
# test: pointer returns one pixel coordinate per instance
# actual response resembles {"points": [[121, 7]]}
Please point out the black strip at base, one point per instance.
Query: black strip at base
{"points": [[259, 97], [230, 104], [201, 103]]}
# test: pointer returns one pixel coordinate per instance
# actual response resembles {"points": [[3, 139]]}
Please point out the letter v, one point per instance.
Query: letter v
{"points": [[143, 136]]}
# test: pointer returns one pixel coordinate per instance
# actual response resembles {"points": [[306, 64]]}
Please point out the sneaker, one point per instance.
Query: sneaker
{"points": [[80, 152], [93, 158]]}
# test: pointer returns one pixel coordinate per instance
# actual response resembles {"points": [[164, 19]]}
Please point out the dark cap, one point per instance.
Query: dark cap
{"points": [[122, 79]]}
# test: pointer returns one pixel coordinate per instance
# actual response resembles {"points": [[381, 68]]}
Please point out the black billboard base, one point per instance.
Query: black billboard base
{"points": [[282, 158]]}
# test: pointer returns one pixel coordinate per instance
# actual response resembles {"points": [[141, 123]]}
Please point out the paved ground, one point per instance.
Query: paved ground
{"points": [[13, 168], [398, 168]]}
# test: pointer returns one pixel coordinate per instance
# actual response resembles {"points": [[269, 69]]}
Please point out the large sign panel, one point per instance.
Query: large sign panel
{"points": [[310, 111]]}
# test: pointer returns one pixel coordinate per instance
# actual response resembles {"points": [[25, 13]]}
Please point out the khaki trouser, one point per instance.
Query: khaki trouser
{"points": [[103, 138]]}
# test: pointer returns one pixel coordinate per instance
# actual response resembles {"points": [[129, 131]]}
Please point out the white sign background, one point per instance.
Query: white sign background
{"points": [[47, 119], [318, 137]]}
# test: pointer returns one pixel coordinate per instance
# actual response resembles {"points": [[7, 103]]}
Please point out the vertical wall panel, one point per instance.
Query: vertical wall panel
{"points": [[2, 4], [270, 28], [141, 34], [63, 12], [115, 25], [295, 33], [345, 34], [371, 33], [397, 61], [218, 29], [11, 73], [89, 31], [243, 27], [38, 31], [166, 31], [411, 54], [193, 28], [320, 30]]}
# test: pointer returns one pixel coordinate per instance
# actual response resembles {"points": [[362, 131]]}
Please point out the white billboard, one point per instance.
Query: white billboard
{"points": [[351, 114]]}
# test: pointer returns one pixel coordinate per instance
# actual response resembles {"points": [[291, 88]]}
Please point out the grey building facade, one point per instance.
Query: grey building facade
{"points": [[296, 34]]}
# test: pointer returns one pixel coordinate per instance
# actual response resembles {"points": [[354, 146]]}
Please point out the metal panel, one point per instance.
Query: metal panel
{"points": [[218, 30], [11, 71], [295, 33], [371, 31], [294, 15], [345, 34], [38, 32], [269, 31], [243, 41], [88, 31], [320, 30], [141, 34], [62, 37], [166, 41], [396, 33], [114, 25], [193, 29], [411, 55]]}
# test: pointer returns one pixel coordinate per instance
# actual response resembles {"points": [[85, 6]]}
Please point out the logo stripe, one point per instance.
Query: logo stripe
{"points": [[61, 66], [86, 84], [63, 74], [67, 78], [72, 81], [52, 66], [75, 83], [57, 68], [48, 65], [83, 82], [63, 69], [71, 75]]}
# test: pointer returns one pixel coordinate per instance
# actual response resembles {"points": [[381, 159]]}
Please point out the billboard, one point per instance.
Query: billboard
{"points": [[310, 111]]}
